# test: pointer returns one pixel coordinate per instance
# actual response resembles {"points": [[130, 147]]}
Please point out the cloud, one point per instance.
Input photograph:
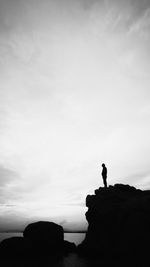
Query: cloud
{"points": [[8, 179], [137, 177], [141, 25], [6, 176]]}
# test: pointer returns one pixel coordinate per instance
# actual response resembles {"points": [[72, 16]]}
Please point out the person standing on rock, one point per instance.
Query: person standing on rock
{"points": [[104, 174]]}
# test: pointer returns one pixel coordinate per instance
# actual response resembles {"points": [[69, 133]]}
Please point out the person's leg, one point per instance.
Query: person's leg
{"points": [[105, 182]]}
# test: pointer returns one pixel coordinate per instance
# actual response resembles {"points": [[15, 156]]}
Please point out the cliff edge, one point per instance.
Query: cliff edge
{"points": [[119, 222]]}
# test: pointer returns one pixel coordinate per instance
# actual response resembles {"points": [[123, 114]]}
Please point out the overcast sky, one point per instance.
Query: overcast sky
{"points": [[74, 93]]}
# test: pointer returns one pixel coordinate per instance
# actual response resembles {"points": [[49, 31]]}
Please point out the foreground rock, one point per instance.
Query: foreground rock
{"points": [[119, 223], [45, 236], [15, 248], [41, 240]]}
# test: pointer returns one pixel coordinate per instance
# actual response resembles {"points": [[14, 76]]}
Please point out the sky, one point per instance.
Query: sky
{"points": [[74, 93]]}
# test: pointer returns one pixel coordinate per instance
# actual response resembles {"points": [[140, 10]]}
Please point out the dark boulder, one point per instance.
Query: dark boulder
{"points": [[15, 248], [46, 237]]}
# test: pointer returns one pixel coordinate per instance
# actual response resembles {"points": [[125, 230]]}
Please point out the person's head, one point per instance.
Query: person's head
{"points": [[103, 165]]}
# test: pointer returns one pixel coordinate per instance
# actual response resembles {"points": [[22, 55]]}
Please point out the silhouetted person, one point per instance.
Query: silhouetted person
{"points": [[104, 175]]}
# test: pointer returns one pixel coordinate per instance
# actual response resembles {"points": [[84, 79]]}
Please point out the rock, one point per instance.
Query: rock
{"points": [[42, 242], [15, 248], [46, 237], [69, 247], [119, 222]]}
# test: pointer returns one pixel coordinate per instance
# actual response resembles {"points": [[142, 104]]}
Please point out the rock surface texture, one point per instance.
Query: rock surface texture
{"points": [[119, 223]]}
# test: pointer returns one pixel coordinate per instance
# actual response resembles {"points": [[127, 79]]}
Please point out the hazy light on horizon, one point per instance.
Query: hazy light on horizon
{"points": [[74, 92]]}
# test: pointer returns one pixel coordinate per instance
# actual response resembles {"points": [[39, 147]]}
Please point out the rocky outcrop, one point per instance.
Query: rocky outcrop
{"points": [[119, 222], [15, 248], [45, 236], [41, 240]]}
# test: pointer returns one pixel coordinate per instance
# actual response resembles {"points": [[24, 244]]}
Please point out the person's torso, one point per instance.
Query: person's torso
{"points": [[104, 171]]}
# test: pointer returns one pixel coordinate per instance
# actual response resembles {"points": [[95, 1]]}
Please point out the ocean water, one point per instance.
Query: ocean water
{"points": [[77, 238]]}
